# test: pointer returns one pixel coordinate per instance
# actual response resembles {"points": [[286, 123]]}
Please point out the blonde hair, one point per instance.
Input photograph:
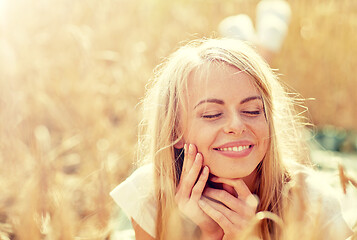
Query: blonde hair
{"points": [[159, 129]]}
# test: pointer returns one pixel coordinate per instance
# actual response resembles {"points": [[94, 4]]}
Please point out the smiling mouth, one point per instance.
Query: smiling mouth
{"points": [[233, 149]]}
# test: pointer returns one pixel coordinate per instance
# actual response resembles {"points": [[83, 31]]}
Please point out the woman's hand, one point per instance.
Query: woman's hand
{"points": [[189, 192], [232, 213]]}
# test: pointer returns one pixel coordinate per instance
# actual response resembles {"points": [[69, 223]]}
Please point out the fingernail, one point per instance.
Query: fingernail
{"points": [[191, 149], [185, 147], [198, 156], [205, 170], [252, 201]]}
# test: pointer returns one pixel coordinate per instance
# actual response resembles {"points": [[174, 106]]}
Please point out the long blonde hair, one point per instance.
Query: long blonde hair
{"points": [[159, 129]]}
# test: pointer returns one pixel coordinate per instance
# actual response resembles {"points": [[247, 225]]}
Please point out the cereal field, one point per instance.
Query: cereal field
{"points": [[73, 72]]}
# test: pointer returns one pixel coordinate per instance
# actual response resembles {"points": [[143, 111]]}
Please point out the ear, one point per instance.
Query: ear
{"points": [[180, 144]]}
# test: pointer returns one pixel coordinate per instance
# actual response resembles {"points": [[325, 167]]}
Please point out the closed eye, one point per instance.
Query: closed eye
{"points": [[253, 113], [210, 116]]}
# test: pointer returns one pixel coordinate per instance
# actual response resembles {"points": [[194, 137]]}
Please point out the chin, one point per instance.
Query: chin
{"points": [[230, 174], [231, 170]]}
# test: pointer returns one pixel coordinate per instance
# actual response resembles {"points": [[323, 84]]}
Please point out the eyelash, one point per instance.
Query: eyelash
{"points": [[212, 116], [253, 113]]}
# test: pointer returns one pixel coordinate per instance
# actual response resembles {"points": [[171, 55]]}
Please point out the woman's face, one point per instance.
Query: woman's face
{"points": [[225, 120]]}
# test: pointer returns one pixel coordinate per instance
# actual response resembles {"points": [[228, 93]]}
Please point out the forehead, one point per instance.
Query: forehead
{"points": [[221, 81]]}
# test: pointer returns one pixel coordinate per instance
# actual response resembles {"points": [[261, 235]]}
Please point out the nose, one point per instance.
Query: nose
{"points": [[234, 125]]}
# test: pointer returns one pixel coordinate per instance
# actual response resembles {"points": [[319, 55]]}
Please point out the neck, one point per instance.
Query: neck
{"points": [[250, 181]]}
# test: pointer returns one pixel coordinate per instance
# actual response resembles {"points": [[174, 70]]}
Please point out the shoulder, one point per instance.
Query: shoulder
{"points": [[317, 186], [322, 198], [139, 184], [136, 197]]}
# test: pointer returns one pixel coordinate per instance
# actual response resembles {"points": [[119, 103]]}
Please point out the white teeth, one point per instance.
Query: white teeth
{"points": [[234, 149]]}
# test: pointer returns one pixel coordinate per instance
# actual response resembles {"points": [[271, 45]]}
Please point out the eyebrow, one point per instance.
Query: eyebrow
{"points": [[250, 99], [221, 102]]}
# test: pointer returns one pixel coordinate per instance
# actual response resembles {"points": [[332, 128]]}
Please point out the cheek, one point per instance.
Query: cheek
{"points": [[265, 136], [197, 132], [202, 136], [261, 131], [196, 139], [266, 131]]}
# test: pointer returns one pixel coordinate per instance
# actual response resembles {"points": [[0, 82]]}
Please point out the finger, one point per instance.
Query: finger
{"points": [[184, 167], [243, 192], [253, 202], [189, 181], [235, 219], [200, 185], [238, 184], [189, 157], [235, 204], [220, 214]]}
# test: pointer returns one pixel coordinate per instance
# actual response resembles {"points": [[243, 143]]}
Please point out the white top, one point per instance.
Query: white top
{"points": [[136, 197]]}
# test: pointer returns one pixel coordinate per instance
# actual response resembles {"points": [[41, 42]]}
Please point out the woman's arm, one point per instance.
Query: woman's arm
{"points": [[140, 234]]}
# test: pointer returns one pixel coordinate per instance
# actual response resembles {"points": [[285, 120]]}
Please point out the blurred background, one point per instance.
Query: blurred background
{"points": [[73, 72]]}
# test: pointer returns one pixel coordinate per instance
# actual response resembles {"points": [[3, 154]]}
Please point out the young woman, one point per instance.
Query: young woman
{"points": [[223, 143]]}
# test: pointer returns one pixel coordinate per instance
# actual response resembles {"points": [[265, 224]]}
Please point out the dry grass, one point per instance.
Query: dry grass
{"points": [[72, 73]]}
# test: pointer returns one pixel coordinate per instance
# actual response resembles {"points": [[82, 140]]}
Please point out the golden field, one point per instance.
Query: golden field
{"points": [[73, 72]]}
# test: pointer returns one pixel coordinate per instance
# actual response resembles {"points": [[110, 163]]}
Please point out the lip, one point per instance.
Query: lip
{"points": [[236, 143], [235, 154]]}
